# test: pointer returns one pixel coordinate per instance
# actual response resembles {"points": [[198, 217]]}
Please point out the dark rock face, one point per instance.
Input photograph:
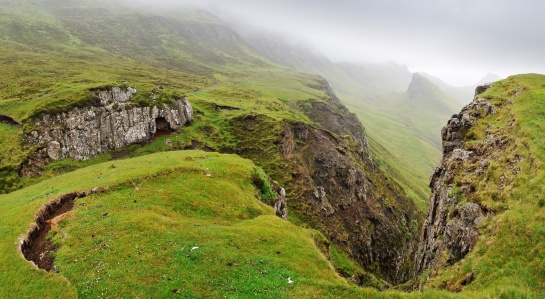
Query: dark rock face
{"points": [[82, 133], [482, 88], [334, 186], [335, 117], [353, 203], [450, 230]]}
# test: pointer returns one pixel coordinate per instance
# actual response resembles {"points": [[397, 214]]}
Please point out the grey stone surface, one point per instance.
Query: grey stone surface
{"points": [[82, 133]]}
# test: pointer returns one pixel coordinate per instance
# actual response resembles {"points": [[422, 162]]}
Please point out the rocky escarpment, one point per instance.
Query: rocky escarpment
{"points": [[352, 202], [363, 210], [451, 228], [115, 123]]}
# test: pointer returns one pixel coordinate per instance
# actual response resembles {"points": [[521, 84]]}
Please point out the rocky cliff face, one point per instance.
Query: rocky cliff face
{"points": [[451, 228], [351, 201], [82, 133]]}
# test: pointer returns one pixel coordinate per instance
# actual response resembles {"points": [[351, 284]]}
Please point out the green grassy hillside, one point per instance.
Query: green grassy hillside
{"points": [[183, 51], [185, 223], [136, 238], [57, 53], [50, 64], [400, 151], [434, 108], [405, 133]]}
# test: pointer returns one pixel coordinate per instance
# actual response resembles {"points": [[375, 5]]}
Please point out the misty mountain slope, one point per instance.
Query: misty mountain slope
{"points": [[489, 78], [400, 151], [424, 107], [483, 235], [289, 123], [372, 82], [188, 40]]}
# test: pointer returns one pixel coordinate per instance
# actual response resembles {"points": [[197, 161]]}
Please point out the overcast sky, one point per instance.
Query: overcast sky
{"points": [[457, 40]]}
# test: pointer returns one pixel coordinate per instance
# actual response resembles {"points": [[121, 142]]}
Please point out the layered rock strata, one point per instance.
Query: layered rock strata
{"points": [[82, 133]]}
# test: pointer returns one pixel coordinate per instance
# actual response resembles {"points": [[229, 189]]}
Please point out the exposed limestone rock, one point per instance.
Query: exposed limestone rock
{"points": [[462, 234], [281, 205], [54, 150], [451, 228], [82, 133]]}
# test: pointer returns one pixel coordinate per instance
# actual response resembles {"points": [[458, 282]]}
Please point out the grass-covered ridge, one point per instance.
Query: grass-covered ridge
{"points": [[156, 206], [507, 261]]}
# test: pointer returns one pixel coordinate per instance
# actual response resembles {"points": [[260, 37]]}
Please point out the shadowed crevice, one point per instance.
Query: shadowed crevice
{"points": [[8, 120]]}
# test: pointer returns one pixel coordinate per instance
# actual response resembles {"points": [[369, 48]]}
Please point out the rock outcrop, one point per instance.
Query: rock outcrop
{"points": [[281, 205], [351, 201], [451, 228], [82, 133]]}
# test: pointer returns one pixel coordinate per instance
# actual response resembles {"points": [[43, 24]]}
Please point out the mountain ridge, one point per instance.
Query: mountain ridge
{"points": [[484, 194]]}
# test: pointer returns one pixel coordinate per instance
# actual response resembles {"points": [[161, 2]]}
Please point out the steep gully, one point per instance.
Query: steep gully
{"points": [[457, 238], [450, 230]]}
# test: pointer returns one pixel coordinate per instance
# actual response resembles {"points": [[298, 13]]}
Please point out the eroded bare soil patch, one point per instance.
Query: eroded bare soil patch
{"points": [[36, 247]]}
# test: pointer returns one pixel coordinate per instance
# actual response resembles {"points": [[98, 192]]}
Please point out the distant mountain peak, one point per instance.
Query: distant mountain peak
{"points": [[420, 86]]}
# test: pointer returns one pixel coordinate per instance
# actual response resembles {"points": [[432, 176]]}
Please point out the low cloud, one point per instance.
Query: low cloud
{"points": [[458, 40]]}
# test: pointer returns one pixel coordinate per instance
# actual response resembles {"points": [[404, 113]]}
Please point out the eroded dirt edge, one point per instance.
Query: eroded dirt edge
{"points": [[35, 246]]}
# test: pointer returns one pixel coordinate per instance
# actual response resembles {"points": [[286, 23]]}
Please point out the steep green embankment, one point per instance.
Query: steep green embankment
{"points": [[184, 223], [490, 190], [434, 108]]}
